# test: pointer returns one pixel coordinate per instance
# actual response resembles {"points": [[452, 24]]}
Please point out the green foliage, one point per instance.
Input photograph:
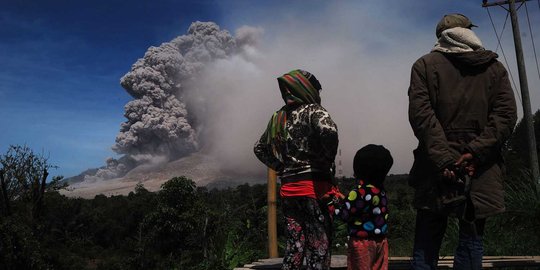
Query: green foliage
{"points": [[183, 226], [179, 227], [516, 150], [178, 193], [236, 251], [168, 228], [23, 177], [237, 218], [514, 232], [517, 226], [402, 216], [18, 250]]}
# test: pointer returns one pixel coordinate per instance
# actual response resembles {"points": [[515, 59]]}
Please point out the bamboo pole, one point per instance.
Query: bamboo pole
{"points": [[272, 216]]}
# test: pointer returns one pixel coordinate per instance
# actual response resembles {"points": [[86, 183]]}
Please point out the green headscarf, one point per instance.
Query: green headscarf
{"points": [[297, 87]]}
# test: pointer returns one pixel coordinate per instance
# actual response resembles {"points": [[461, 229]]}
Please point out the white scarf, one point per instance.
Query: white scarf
{"points": [[457, 40]]}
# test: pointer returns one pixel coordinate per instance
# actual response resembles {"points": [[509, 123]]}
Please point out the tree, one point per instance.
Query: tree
{"points": [[168, 231], [23, 177], [516, 149], [23, 182]]}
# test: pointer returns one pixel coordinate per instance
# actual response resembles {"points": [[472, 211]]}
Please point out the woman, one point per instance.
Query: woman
{"points": [[300, 144]]}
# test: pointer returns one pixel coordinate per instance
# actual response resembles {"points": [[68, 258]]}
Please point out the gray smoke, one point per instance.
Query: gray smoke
{"points": [[164, 120], [159, 122]]}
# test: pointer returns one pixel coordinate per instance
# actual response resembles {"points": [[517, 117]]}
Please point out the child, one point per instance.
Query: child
{"points": [[365, 210]]}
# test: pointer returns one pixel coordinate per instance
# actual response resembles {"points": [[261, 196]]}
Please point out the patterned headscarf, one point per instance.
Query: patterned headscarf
{"points": [[297, 87]]}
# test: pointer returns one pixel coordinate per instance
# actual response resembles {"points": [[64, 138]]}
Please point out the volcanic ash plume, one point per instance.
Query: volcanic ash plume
{"points": [[160, 123]]}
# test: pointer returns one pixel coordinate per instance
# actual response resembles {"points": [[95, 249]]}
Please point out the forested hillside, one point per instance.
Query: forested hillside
{"points": [[188, 227], [183, 226]]}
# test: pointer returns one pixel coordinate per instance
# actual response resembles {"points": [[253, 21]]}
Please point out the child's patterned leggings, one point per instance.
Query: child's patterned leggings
{"points": [[364, 254], [309, 233]]}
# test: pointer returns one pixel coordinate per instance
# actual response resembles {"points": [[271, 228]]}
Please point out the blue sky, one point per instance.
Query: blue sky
{"points": [[61, 61], [61, 66]]}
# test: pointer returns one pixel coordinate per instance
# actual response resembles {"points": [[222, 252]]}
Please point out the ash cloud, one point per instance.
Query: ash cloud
{"points": [[224, 87], [159, 122], [363, 73], [212, 93], [166, 119], [226, 98]]}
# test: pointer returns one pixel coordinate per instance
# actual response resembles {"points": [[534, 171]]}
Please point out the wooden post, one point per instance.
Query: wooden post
{"points": [[527, 113], [272, 216]]}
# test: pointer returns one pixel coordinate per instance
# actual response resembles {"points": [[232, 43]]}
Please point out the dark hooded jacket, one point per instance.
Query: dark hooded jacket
{"points": [[460, 103]]}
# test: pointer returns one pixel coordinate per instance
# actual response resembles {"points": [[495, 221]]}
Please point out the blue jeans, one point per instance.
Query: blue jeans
{"points": [[429, 232]]}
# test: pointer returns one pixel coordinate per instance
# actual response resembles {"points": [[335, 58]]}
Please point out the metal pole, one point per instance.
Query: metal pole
{"points": [[272, 216], [527, 114]]}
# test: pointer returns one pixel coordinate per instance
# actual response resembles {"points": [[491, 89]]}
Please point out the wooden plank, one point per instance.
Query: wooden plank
{"points": [[339, 262]]}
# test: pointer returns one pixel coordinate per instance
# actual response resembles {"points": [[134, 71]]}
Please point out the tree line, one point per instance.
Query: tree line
{"points": [[183, 226]]}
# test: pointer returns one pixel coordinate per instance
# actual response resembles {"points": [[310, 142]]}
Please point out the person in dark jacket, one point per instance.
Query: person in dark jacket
{"points": [[300, 144], [462, 110]]}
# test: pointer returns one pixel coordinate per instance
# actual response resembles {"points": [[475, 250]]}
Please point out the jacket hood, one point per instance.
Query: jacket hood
{"points": [[474, 58]]}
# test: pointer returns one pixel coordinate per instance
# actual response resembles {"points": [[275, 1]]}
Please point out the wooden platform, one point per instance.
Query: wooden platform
{"points": [[340, 262]]}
